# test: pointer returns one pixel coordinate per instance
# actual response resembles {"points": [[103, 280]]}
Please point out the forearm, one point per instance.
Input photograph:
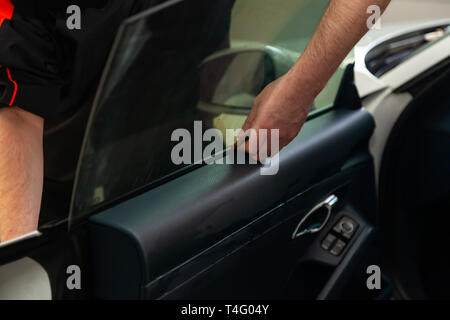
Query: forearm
{"points": [[284, 104], [342, 26], [21, 172]]}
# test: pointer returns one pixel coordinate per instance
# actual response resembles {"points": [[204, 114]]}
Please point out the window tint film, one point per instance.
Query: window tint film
{"points": [[180, 62]]}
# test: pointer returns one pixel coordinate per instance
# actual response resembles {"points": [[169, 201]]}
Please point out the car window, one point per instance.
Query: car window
{"points": [[181, 62]]}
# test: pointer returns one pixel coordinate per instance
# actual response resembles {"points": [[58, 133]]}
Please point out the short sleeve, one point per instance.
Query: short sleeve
{"points": [[30, 63]]}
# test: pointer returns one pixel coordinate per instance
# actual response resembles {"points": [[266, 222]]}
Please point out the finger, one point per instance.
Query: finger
{"points": [[249, 121], [251, 116], [251, 146], [262, 145], [274, 146], [248, 124]]}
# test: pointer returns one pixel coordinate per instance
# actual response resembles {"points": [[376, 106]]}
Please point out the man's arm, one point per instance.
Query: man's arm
{"points": [[21, 172], [284, 104]]}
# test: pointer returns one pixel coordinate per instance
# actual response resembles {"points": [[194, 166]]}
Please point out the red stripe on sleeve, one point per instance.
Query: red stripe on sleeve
{"points": [[6, 10], [15, 87]]}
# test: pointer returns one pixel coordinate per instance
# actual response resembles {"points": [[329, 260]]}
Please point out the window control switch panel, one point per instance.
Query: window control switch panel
{"points": [[346, 227], [337, 239]]}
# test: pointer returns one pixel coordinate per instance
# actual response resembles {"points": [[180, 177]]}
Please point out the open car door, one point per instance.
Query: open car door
{"points": [[159, 230]]}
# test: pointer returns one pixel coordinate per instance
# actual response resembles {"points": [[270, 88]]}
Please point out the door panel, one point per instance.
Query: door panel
{"points": [[224, 231]]}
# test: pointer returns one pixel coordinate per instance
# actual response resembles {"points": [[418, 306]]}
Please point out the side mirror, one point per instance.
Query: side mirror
{"points": [[232, 78]]}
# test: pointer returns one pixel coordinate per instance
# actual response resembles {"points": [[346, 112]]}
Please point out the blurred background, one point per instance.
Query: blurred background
{"points": [[290, 23]]}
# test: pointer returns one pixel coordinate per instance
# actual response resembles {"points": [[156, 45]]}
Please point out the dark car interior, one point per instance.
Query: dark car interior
{"points": [[415, 190]]}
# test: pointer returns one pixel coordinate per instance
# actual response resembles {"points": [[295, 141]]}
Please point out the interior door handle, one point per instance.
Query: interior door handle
{"points": [[311, 227]]}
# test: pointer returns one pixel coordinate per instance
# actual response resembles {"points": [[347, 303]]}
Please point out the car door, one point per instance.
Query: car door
{"points": [[161, 230]]}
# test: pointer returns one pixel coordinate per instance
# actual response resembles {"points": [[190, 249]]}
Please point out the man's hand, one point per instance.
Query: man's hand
{"points": [[279, 106], [285, 103], [21, 172]]}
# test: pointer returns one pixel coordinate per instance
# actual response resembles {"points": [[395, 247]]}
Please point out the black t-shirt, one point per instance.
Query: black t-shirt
{"points": [[53, 71], [49, 69]]}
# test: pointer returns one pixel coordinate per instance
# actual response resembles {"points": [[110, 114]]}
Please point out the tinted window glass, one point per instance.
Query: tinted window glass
{"points": [[184, 61]]}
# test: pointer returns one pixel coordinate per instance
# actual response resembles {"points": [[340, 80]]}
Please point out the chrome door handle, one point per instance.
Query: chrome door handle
{"points": [[327, 205]]}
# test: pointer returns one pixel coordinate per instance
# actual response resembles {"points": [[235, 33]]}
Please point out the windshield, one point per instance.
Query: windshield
{"points": [[181, 62]]}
